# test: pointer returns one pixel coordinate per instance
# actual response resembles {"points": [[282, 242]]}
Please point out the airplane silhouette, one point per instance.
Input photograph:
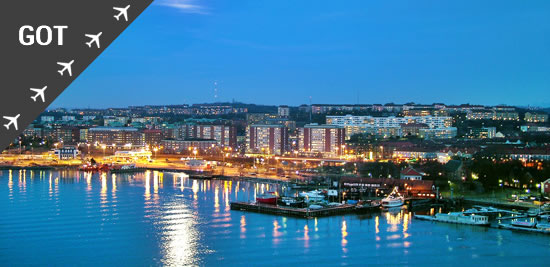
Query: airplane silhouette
{"points": [[95, 39], [123, 11], [66, 67], [13, 121], [39, 93]]}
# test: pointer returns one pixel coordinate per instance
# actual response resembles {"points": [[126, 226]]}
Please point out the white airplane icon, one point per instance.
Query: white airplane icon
{"points": [[13, 121], [39, 93], [95, 39], [66, 67], [123, 11]]}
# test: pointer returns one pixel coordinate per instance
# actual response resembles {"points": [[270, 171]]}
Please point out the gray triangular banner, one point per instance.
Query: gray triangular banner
{"points": [[46, 45]]}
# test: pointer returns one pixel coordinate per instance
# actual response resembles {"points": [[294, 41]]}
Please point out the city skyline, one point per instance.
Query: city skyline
{"points": [[355, 53], [52, 107]]}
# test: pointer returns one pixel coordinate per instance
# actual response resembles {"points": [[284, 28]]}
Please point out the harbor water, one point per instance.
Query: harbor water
{"points": [[154, 218]]}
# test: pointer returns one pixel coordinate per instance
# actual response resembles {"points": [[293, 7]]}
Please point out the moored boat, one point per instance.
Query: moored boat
{"points": [[392, 201], [267, 198], [537, 228], [312, 195], [456, 217]]}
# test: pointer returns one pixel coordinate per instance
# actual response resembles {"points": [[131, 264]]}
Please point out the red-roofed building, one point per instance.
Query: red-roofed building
{"points": [[410, 174]]}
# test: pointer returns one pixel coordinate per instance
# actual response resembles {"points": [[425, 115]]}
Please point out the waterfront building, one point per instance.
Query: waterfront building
{"points": [[132, 155], [152, 137], [357, 187], [325, 139], [267, 139], [117, 136], [66, 153]]}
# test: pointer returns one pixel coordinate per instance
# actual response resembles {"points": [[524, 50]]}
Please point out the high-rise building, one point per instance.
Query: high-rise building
{"points": [[267, 139], [119, 136], [325, 139], [225, 135], [385, 126]]}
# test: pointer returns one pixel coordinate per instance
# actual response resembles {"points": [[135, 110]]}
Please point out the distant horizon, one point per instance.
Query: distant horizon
{"points": [[276, 105]]}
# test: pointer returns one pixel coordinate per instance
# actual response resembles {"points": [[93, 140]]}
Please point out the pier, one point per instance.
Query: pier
{"points": [[295, 212]]}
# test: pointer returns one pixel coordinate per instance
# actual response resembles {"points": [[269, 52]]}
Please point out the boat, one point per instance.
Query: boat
{"points": [[267, 198], [394, 199], [314, 195], [545, 226], [524, 224], [315, 207], [292, 202], [94, 167], [367, 206], [537, 228], [456, 217], [127, 169]]}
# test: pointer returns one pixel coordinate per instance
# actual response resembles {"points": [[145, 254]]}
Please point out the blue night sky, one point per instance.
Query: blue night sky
{"points": [[356, 51]]}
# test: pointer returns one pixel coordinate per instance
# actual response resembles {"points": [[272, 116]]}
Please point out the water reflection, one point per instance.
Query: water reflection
{"points": [[344, 236], [170, 224], [242, 224], [181, 241]]}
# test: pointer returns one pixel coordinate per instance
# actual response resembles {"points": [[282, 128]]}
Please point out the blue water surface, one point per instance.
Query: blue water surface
{"points": [[155, 218]]}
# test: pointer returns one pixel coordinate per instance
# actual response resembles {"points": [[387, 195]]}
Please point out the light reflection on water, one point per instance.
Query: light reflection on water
{"points": [[157, 218]]}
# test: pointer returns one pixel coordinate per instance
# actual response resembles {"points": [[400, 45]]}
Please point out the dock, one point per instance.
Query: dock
{"points": [[295, 212], [499, 204]]}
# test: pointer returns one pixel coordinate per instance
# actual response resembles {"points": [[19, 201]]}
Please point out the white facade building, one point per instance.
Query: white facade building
{"points": [[385, 126]]}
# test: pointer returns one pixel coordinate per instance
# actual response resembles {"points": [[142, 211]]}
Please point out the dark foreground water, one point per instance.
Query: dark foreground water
{"points": [[73, 218]]}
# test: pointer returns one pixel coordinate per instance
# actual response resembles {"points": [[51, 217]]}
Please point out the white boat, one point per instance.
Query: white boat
{"points": [[542, 228], [392, 201], [312, 195], [456, 217]]}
